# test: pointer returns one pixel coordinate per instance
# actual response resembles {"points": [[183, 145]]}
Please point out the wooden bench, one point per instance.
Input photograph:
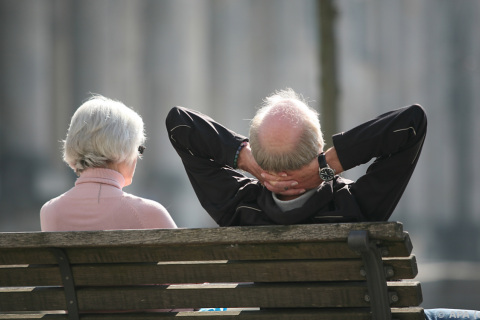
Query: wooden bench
{"points": [[331, 271]]}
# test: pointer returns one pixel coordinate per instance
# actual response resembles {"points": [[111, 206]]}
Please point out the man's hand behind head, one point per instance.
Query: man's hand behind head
{"points": [[307, 176], [277, 183]]}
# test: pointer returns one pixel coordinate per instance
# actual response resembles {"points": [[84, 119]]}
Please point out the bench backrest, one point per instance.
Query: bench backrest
{"points": [[267, 272]]}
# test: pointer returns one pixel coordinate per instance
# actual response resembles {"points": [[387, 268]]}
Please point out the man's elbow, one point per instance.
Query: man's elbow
{"points": [[419, 117], [173, 117]]}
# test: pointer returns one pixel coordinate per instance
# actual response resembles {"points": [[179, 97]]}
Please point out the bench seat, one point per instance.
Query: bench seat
{"points": [[330, 271]]}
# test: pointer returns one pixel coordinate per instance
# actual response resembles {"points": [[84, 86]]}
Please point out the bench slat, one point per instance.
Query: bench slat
{"points": [[32, 299], [231, 251], [171, 237], [271, 295], [26, 256], [202, 271], [283, 314]]}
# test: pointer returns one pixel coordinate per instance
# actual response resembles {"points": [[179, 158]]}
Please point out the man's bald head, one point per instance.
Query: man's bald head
{"points": [[285, 133]]}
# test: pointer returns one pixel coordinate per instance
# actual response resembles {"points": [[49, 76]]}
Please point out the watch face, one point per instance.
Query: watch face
{"points": [[326, 174]]}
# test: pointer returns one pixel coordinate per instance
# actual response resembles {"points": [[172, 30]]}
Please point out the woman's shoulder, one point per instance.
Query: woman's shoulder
{"points": [[151, 211], [141, 201], [54, 202], [52, 210]]}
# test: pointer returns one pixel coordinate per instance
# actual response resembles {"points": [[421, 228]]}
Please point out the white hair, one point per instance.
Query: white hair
{"points": [[288, 103], [102, 132]]}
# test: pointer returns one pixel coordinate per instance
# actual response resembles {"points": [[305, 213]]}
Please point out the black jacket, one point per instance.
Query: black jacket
{"points": [[207, 150]]}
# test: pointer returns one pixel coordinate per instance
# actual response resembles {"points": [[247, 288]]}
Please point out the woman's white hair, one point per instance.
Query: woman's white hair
{"points": [[291, 105], [102, 132]]}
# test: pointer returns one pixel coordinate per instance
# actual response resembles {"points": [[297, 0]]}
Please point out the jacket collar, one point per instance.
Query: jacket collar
{"points": [[320, 199]]}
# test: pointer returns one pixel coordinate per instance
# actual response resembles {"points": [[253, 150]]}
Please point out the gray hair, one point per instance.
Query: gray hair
{"points": [[102, 131], [288, 103]]}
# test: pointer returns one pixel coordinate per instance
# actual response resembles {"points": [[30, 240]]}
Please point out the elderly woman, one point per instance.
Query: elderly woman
{"points": [[103, 143]]}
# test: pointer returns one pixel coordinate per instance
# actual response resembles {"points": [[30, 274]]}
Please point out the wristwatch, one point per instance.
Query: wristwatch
{"points": [[324, 171]]}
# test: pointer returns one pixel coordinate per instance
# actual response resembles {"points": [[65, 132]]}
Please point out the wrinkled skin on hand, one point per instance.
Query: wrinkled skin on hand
{"points": [[288, 184]]}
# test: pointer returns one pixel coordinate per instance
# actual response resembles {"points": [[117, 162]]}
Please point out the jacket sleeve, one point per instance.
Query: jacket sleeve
{"points": [[395, 140], [207, 150]]}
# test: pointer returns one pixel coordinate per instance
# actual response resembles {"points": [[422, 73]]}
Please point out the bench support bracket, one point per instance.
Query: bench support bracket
{"points": [[68, 283], [371, 255]]}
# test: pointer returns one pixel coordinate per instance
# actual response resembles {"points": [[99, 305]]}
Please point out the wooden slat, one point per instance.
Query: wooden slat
{"points": [[199, 272], [26, 256], [236, 243], [332, 250], [227, 235], [408, 292], [30, 316], [292, 295], [251, 271], [33, 315], [26, 275], [283, 314], [415, 313], [227, 295], [234, 251], [403, 268], [32, 299]]}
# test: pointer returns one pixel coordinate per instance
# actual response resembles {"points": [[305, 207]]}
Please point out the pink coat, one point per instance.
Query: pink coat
{"points": [[97, 202]]}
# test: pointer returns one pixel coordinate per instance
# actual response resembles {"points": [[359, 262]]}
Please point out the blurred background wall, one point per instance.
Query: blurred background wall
{"points": [[223, 57]]}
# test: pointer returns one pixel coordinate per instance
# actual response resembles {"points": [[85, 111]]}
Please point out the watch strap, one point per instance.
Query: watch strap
{"points": [[322, 161]]}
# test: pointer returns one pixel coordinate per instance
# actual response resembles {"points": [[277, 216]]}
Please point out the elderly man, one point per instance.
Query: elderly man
{"points": [[296, 182]]}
